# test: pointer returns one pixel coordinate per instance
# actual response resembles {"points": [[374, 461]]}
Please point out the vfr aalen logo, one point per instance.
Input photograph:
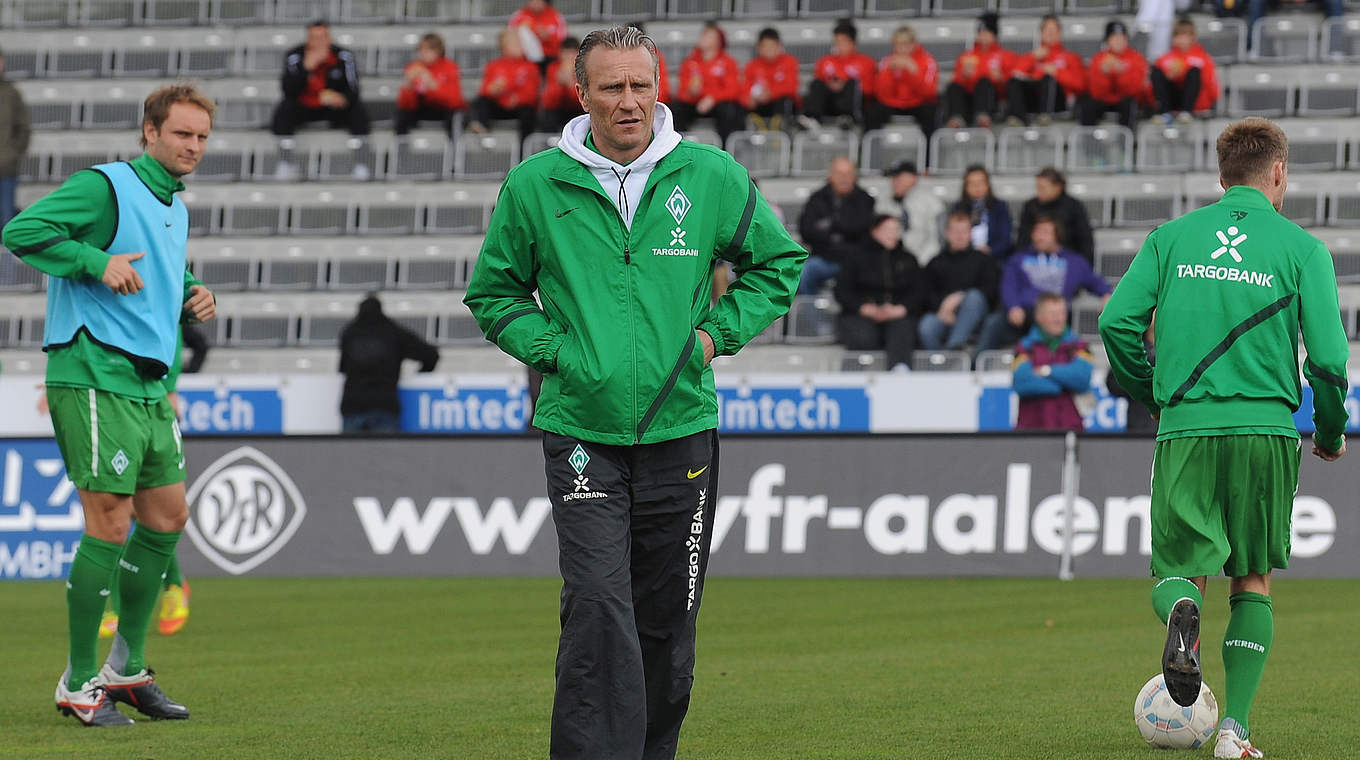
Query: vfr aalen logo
{"points": [[242, 510]]}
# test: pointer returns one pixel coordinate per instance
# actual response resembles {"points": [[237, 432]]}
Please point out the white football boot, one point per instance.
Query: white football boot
{"points": [[1232, 745]]}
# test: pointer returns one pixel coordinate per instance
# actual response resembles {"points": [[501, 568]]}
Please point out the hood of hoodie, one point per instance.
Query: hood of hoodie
{"points": [[623, 184]]}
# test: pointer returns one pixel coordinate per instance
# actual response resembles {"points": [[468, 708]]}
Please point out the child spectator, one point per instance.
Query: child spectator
{"points": [[770, 87], [559, 104], [907, 83], [980, 74], [509, 88], [709, 85], [961, 288], [1044, 78], [882, 295], [1117, 80], [844, 81], [432, 90], [1052, 367], [1184, 81]]}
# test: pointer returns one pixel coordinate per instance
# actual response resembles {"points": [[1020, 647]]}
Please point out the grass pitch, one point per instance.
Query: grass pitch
{"points": [[822, 669]]}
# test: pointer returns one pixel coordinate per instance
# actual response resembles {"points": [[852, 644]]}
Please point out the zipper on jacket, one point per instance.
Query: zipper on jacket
{"points": [[627, 254], [632, 325]]}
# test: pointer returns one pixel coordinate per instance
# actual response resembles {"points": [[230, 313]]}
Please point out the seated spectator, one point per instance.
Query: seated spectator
{"points": [[1044, 78], [1117, 80], [432, 91], [320, 83], [980, 75], [917, 209], [547, 26], [991, 216], [844, 81], [710, 85], [1052, 367], [962, 286], [1044, 267], [882, 295], [1184, 81], [907, 84], [770, 85], [834, 223], [1051, 200], [559, 104], [1256, 10], [663, 87], [372, 349], [509, 89]]}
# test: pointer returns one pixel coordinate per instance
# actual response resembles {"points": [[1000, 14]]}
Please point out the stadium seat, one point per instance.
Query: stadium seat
{"points": [[864, 361], [946, 39], [456, 327], [1094, 196], [940, 361], [230, 156], [1085, 36], [252, 213], [114, 107], [1115, 250], [1341, 38], [206, 54], [812, 320], [953, 150], [39, 14], [883, 147], [1287, 38], [152, 56], [1163, 148], [240, 12], [1343, 208], [1305, 203], [896, 8], [433, 11], [243, 103], [1329, 92], [1025, 150], [392, 213], [75, 54], [1102, 148], [247, 321], [15, 277], [1259, 91], [1223, 38], [487, 156], [109, 13], [539, 142], [1086, 315], [1317, 144], [813, 151], [960, 7], [422, 155], [176, 12], [323, 212], [1144, 200], [995, 360], [461, 211], [439, 264], [641, 10], [224, 267], [771, 335], [300, 272], [764, 154]]}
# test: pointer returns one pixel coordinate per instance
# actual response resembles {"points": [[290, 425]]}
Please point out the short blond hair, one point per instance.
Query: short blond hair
{"points": [[904, 33], [1247, 150], [156, 108]]}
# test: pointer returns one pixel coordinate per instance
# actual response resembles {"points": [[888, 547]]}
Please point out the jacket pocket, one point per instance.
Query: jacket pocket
{"points": [[684, 366]]}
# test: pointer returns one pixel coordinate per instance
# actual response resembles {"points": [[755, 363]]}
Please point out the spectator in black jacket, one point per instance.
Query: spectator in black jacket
{"points": [[835, 222], [320, 83], [882, 295], [962, 285], [1051, 200], [372, 348]]}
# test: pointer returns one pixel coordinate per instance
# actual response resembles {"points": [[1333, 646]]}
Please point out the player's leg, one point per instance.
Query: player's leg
{"points": [[1246, 645], [88, 434], [671, 534], [1188, 541], [599, 707]]}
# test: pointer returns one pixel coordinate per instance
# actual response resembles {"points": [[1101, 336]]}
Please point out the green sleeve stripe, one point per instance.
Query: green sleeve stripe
{"points": [[1227, 342], [505, 321], [670, 384], [1324, 375], [40, 247], [739, 237]]}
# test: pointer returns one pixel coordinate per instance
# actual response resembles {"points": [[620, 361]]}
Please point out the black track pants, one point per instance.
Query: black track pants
{"points": [[634, 525]]}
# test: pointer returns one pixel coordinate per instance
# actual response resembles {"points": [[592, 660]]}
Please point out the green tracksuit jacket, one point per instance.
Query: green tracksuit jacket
{"points": [[1232, 284], [615, 333]]}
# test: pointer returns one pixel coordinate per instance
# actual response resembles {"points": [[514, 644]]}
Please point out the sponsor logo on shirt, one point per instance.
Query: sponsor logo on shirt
{"points": [[1227, 241], [679, 205]]}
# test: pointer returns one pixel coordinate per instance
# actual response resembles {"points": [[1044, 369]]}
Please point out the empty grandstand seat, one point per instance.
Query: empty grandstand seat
{"points": [[896, 8], [456, 327], [76, 54], [995, 360], [1344, 206], [704, 136], [323, 212], [940, 361], [210, 53], [369, 11], [1329, 92], [1102, 148], [420, 155], [390, 212], [1260, 91], [243, 103], [812, 320], [1094, 196], [1029, 149], [946, 39], [294, 270], [1144, 200], [960, 7], [253, 212], [883, 147], [230, 156], [814, 150], [363, 270], [240, 12], [459, 211], [1316, 144], [538, 142], [113, 106], [223, 267], [764, 154], [1170, 147], [1115, 250], [1084, 36], [1223, 38], [487, 156], [334, 155], [109, 13], [255, 322], [1306, 202], [37, 14], [954, 150], [438, 264], [1285, 38], [1341, 38], [863, 361], [19, 278], [148, 54], [176, 12], [632, 9], [1086, 315]]}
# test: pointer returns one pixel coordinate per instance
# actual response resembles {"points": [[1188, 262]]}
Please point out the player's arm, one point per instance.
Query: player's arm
{"points": [[500, 291], [1327, 346], [767, 265], [1126, 318], [63, 233]]}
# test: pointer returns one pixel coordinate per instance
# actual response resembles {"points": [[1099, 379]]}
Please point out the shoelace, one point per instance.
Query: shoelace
{"points": [[623, 196]]}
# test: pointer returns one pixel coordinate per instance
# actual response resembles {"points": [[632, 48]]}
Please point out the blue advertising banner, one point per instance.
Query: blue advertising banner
{"points": [[464, 410], [40, 514], [793, 410], [229, 410]]}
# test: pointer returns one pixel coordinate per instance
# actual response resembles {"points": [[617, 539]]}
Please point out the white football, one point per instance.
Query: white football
{"points": [[1167, 725]]}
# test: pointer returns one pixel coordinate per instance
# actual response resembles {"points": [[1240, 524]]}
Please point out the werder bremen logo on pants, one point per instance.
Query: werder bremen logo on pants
{"points": [[242, 510]]}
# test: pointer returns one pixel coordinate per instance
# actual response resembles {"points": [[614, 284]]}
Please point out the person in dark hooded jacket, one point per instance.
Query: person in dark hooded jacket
{"points": [[372, 348], [1051, 199], [882, 295]]}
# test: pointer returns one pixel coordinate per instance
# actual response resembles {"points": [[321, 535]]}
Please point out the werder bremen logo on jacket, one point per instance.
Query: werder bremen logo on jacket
{"points": [[1225, 242], [678, 204]]}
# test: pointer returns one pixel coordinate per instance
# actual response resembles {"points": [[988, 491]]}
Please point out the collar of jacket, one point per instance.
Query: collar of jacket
{"points": [[1248, 196], [573, 172]]}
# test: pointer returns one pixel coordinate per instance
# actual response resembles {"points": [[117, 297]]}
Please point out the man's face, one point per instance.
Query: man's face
{"points": [[843, 45], [1046, 190], [319, 37], [1118, 43], [841, 177], [1050, 34], [888, 233], [179, 143], [769, 49], [620, 99], [1051, 316], [959, 234], [1044, 237], [902, 183]]}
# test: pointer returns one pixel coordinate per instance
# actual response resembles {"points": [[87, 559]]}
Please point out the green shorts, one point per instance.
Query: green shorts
{"points": [[1223, 504], [114, 444]]}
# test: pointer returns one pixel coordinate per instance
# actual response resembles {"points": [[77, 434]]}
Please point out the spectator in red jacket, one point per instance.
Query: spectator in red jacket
{"points": [[980, 76], [1184, 81], [546, 24], [1044, 78], [509, 88], [844, 81], [432, 90], [559, 104], [710, 85], [1117, 80], [663, 87], [770, 85], [907, 83]]}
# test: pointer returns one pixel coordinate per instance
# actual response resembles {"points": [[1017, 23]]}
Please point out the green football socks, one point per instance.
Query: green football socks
{"points": [[86, 588], [1246, 644], [140, 572], [1168, 591]]}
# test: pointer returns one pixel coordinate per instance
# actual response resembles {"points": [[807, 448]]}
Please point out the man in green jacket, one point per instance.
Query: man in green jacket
{"points": [[617, 229], [1232, 285], [113, 240]]}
